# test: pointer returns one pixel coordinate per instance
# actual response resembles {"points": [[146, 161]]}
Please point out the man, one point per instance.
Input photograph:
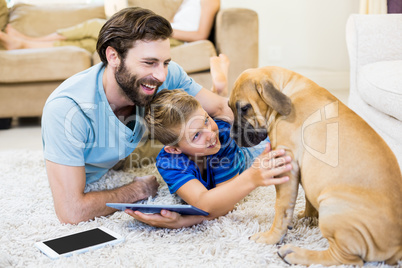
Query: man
{"points": [[94, 119]]}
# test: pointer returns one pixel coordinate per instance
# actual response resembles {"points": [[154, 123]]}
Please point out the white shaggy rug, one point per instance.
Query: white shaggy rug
{"points": [[27, 216]]}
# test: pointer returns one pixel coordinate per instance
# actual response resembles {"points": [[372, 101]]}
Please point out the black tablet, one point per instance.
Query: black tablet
{"points": [[154, 208]]}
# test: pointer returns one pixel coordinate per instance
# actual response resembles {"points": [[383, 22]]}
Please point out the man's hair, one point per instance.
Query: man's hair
{"points": [[129, 25], [168, 113]]}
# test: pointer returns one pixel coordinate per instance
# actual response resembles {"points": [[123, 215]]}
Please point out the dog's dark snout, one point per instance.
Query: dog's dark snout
{"points": [[254, 136], [262, 134], [245, 135]]}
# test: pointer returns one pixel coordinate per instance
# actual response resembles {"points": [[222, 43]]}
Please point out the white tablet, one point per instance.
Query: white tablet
{"points": [[79, 242], [154, 208]]}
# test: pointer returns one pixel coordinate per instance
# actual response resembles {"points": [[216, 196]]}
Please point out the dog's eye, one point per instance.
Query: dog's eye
{"points": [[245, 108]]}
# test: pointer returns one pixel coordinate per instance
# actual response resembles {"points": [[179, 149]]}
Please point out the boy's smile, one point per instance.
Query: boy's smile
{"points": [[200, 136]]}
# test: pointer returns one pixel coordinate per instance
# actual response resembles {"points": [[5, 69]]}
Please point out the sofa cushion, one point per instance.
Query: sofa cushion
{"points": [[194, 56], [34, 65], [381, 86], [29, 19], [165, 8], [3, 14]]}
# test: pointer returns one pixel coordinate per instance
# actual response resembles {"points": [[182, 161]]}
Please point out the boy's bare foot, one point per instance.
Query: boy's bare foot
{"points": [[9, 42], [219, 72]]}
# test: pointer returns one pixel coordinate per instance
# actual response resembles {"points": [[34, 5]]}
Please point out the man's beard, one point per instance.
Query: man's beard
{"points": [[131, 86]]}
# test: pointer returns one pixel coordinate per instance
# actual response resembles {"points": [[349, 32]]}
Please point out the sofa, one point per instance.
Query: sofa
{"points": [[374, 44], [28, 76]]}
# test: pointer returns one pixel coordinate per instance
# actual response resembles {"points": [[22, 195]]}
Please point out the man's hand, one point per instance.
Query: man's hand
{"points": [[143, 187], [72, 205]]}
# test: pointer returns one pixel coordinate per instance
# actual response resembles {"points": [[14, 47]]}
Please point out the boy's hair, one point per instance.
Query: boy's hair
{"points": [[129, 25], [167, 113]]}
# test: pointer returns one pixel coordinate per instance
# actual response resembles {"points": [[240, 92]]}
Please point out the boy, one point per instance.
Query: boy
{"points": [[201, 163]]}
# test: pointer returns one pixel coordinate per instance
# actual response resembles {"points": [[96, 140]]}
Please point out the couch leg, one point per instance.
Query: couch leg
{"points": [[5, 123]]}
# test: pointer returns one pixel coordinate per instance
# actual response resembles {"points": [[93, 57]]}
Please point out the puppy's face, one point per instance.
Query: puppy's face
{"points": [[252, 99], [249, 126]]}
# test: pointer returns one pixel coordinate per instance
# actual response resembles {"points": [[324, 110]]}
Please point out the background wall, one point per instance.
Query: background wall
{"points": [[307, 36]]}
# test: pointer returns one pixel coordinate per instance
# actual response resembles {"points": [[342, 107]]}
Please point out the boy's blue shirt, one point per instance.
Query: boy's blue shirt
{"points": [[178, 169]]}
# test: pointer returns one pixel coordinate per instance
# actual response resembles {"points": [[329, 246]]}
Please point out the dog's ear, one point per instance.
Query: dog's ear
{"points": [[274, 98]]}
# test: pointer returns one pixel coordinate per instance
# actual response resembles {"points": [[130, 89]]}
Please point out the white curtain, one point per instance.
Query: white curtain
{"points": [[373, 7]]}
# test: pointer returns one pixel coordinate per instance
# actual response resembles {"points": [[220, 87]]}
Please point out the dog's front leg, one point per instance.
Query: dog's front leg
{"points": [[286, 195]]}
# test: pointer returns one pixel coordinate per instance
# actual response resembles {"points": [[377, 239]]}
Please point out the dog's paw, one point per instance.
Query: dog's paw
{"points": [[255, 237], [285, 253], [267, 238]]}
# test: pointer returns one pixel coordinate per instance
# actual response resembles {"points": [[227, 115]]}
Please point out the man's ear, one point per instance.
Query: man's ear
{"points": [[112, 57], [172, 149]]}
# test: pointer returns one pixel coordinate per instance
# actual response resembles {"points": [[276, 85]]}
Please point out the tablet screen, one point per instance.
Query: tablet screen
{"points": [[79, 241]]}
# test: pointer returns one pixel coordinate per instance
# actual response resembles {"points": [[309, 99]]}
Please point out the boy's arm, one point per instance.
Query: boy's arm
{"points": [[216, 106], [217, 201], [220, 200], [191, 192]]}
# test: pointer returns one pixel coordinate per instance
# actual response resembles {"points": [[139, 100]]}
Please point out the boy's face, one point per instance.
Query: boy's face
{"points": [[143, 70], [201, 135]]}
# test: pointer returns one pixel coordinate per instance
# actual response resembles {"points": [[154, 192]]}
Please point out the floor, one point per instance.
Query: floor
{"points": [[26, 133], [23, 134]]}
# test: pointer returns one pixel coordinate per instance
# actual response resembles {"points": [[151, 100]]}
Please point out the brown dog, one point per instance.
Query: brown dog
{"points": [[349, 174]]}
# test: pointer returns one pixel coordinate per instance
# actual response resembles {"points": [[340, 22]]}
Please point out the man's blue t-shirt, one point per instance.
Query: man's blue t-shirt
{"points": [[230, 160], [79, 127]]}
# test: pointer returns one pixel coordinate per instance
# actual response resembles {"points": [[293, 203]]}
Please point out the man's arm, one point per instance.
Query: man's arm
{"points": [[215, 105], [72, 205]]}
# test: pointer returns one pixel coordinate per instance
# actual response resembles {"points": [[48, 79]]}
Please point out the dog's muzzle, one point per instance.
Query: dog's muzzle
{"points": [[246, 135]]}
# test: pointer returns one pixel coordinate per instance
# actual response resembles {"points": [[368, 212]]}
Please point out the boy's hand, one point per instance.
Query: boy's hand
{"points": [[166, 219], [270, 164]]}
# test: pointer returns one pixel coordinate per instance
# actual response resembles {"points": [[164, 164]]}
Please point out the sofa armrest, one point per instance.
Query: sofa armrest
{"points": [[236, 35], [373, 38], [370, 39]]}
